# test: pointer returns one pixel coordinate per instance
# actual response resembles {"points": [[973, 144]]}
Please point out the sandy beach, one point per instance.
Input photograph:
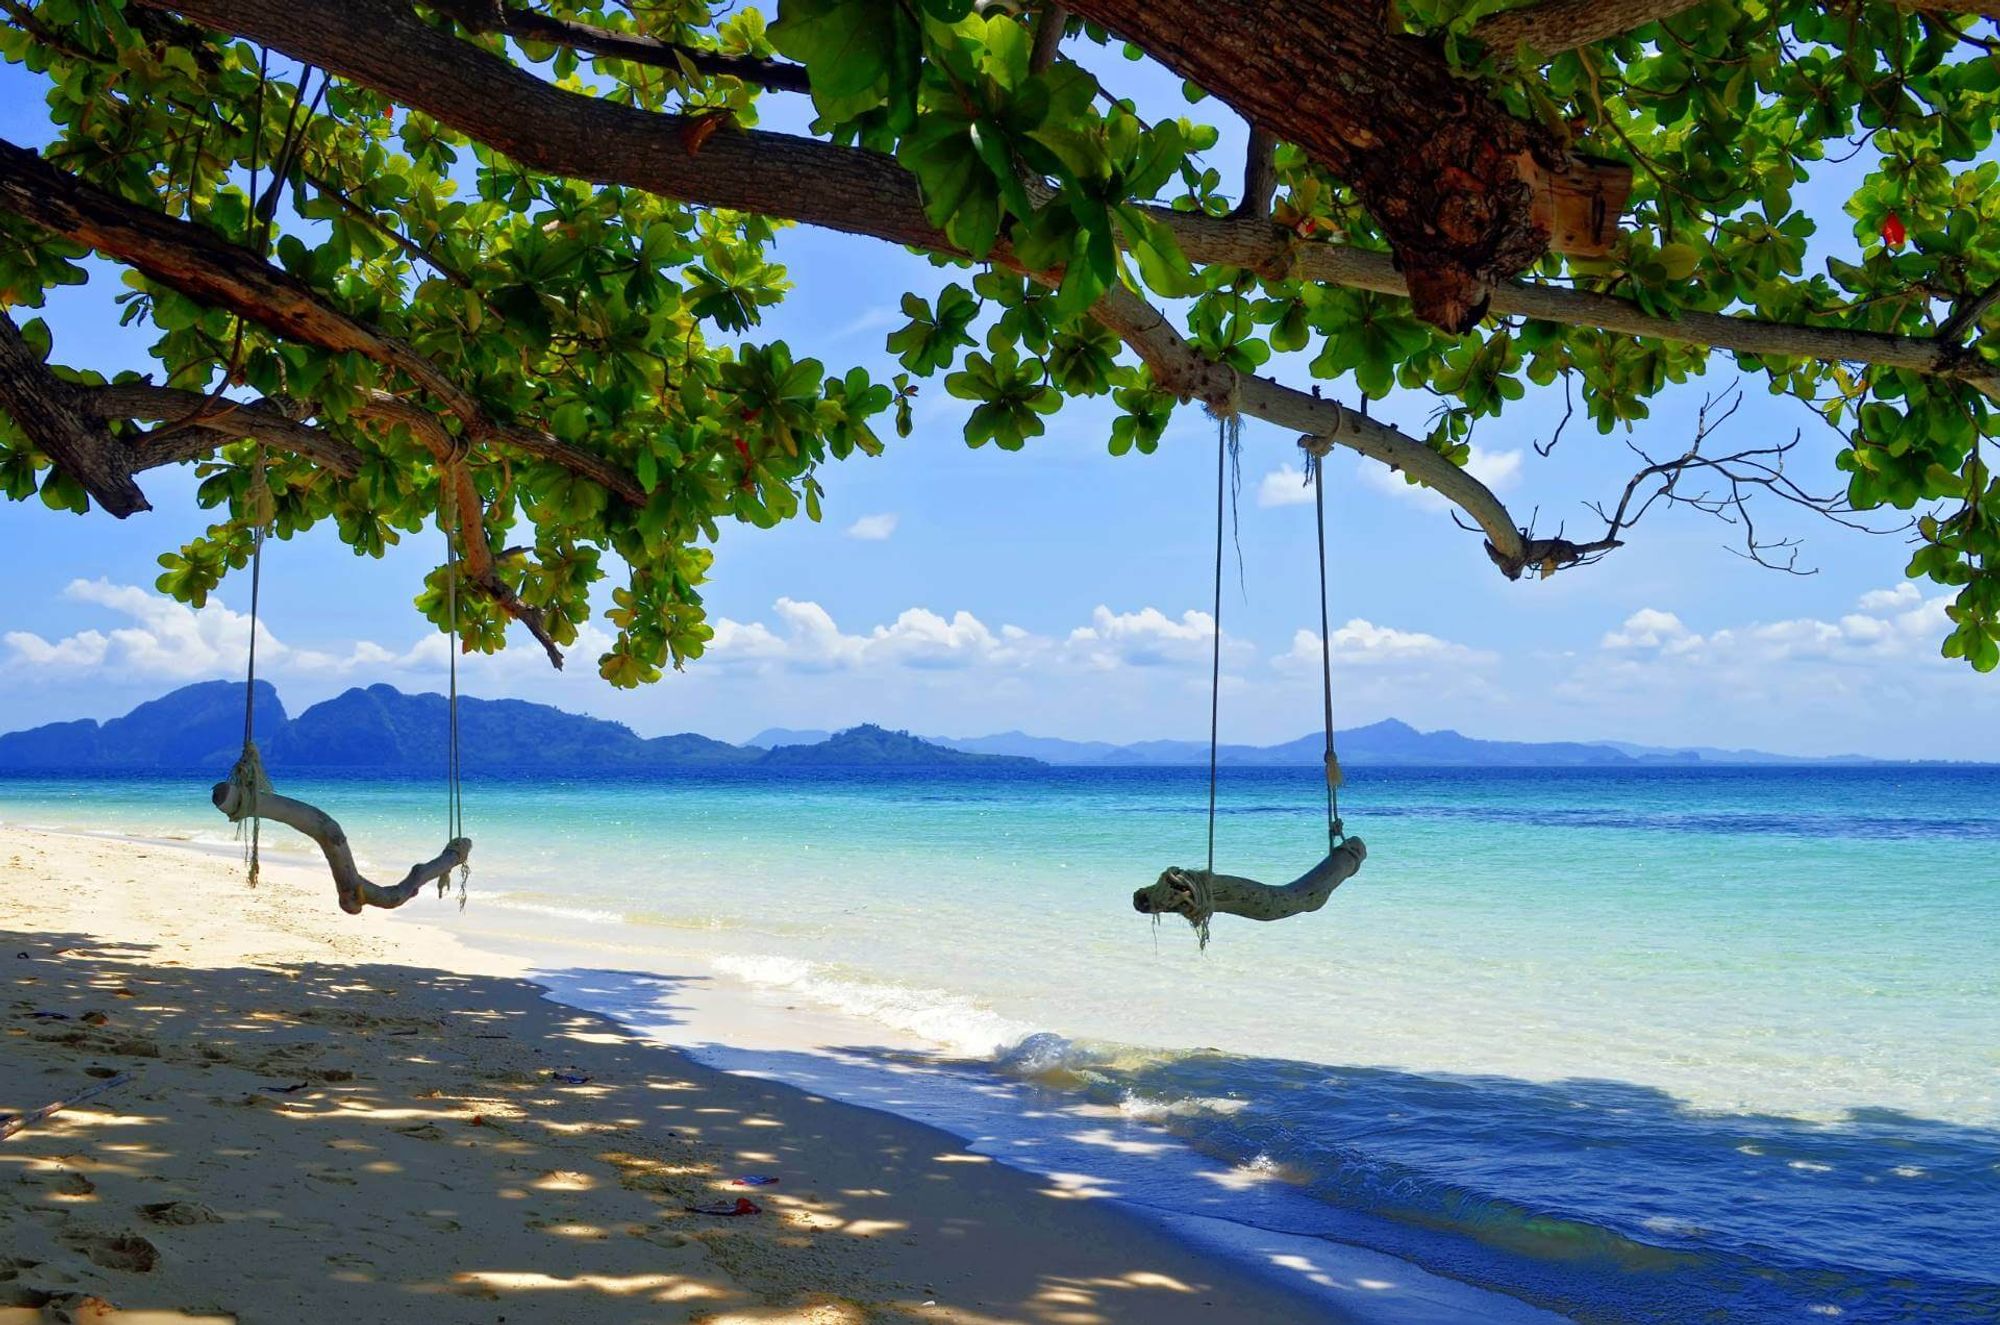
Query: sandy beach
{"points": [[313, 1116]]}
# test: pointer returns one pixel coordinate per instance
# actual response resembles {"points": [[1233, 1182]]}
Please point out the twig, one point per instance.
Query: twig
{"points": [[16, 1123]]}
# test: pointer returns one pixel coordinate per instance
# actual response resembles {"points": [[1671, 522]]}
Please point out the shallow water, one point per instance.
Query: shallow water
{"points": [[1659, 1044]]}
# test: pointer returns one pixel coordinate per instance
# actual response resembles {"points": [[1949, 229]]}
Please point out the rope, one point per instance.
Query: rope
{"points": [[1335, 832], [1215, 656], [248, 774], [454, 782]]}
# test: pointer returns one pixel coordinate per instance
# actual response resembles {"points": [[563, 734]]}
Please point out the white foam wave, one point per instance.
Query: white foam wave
{"points": [[587, 915], [953, 1023]]}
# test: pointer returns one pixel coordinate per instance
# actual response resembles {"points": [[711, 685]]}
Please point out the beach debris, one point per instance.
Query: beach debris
{"points": [[755, 1180], [569, 1078], [93, 1018], [292, 1089], [11, 1123], [48, 1016], [742, 1205]]}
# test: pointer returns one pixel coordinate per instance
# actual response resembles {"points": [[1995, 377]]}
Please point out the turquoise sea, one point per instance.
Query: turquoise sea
{"points": [[1662, 1044]]}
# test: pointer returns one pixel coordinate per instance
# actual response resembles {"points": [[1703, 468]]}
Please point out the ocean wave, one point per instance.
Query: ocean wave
{"points": [[1583, 1196], [956, 1025]]}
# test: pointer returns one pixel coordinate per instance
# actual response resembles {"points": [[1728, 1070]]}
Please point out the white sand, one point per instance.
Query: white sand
{"points": [[419, 1161]]}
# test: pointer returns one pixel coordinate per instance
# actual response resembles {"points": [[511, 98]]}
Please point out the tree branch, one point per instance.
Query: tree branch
{"points": [[1260, 175], [1555, 26], [48, 412], [1742, 475], [198, 263], [485, 16], [1180, 368], [212, 424], [381, 44], [1049, 24], [1966, 316]]}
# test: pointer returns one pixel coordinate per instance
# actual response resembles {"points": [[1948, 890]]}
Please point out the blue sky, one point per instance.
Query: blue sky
{"points": [[1061, 590]]}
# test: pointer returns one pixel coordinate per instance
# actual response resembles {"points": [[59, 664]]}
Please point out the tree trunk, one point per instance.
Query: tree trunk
{"points": [[1455, 182], [356, 893]]}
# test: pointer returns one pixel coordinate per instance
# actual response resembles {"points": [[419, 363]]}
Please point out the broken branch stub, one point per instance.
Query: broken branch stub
{"points": [[356, 892]]}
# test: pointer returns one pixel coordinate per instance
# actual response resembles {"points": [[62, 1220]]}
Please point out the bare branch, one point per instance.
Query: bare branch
{"points": [[1734, 480]]}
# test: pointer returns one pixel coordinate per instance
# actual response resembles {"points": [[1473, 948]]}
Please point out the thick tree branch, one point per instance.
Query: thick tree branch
{"points": [[484, 16], [193, 260], [1554, 26], [1180, 368], [48, 412], [211, 424], [1466, 194], [383, 45], [1268, 250]]}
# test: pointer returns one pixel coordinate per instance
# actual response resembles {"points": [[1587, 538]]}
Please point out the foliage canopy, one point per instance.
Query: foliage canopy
{"points": [[515, 260]]}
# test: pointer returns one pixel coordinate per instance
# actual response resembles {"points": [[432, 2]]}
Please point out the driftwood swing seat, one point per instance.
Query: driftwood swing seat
{"points": [[246, 794], [1199, 894]]}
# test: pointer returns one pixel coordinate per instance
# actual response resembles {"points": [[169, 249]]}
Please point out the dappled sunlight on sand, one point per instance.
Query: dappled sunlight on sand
{"points": [[304, 1131]]}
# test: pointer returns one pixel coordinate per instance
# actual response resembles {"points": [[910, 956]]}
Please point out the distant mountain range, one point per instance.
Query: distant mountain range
{"points": [[380, 727], [201, 727], [1383, 744]]}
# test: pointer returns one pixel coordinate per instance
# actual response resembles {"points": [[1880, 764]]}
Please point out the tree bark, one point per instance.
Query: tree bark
{"points": [[355, 891], [225, 420], [50, 414], [1260, 175], [1198, 894], [1555, 26], [1450, 176]]}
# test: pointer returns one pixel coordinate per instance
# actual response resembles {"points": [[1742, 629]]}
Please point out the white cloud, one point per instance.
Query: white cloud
{"points": [[1362, 643], [1904, 595], [1145, 638], [1284, 486], [1498, 470], [1897, 623], [809, 639], [172, 642], [873, 528], [1650, 628], [803, 636]]}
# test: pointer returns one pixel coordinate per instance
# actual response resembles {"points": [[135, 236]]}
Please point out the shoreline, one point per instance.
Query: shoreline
{"points": [[1318, 1280]]}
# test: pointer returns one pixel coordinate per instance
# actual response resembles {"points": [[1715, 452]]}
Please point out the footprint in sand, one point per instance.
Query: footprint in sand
{"points": [[116, 1251], [180, 1212]]}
